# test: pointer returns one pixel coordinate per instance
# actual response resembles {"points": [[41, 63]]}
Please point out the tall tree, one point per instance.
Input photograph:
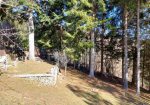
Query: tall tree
{"points": [[92, 55], [81, 20], [138, 47], [96, 8], [125, 47], [102, 45], [128, 6], [147, 4]]}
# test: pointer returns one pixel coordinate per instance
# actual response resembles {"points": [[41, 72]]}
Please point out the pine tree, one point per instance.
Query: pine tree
{"points": [[138, 47], [80, 22], [125, 48]]}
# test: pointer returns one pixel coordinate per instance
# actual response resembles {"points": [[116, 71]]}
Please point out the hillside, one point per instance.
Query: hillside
{"points": [[74, 89]]}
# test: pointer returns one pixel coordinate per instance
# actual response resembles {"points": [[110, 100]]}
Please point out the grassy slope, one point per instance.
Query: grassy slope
{"points": [[75, 89]]}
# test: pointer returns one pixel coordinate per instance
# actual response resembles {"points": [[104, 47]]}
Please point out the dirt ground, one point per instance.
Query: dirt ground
{"points": [[76, 88]]}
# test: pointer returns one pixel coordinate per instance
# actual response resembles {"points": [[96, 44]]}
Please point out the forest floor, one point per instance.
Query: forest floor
{"points": [[76, 88]]}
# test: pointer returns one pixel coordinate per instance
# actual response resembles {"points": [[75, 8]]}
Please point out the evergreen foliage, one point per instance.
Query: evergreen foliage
{"points": [[67, 25]]}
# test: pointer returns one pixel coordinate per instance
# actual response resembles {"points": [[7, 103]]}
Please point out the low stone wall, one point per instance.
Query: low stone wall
{"points": [[44, 79]]}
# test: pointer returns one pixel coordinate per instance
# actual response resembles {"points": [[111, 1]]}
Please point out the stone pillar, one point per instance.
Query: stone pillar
{"points": [[31, 38]]}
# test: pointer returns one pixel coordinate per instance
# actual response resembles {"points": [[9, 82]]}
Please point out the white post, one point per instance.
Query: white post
{"points": [[31, 38]]}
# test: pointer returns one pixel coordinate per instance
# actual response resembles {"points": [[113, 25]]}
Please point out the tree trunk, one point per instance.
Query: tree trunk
{"points": [[102, 48], [31, 38], [134, 66], [86, 60], [65, 61], [138, 48], [143, 67], [74, 64], [92, 56], [125, 48], [149, 80], [123, 58]]}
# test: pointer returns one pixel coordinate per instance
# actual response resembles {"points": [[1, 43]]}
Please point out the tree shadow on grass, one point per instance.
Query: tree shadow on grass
{"points": [[114, 89], [117, 92], [91, 98]]}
